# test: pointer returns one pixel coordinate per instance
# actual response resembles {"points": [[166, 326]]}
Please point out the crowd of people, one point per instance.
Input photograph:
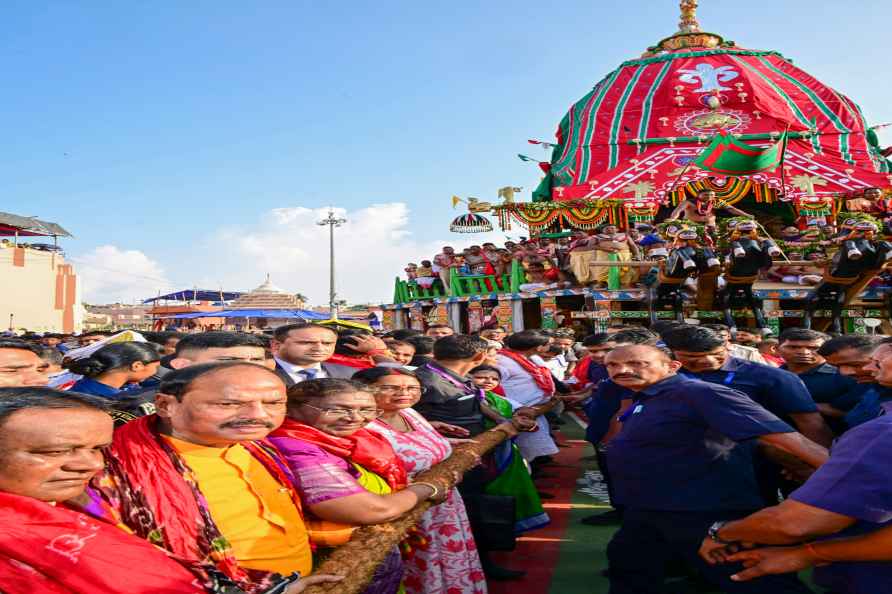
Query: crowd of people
{"points": [[579, 258], [235, 462], [546, 262]]}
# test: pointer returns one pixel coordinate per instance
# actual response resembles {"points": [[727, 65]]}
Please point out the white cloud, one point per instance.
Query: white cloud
{"points": [[371, 248], [109, 274]]}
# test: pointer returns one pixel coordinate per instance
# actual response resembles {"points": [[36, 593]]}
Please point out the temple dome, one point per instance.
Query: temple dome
{"points": [[268, 296], [635, 134]]}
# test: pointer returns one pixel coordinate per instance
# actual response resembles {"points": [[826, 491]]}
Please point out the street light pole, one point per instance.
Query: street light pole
{"points": [[332, 222]]}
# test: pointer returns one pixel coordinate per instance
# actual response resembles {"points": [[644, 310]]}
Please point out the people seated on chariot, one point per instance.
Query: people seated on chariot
{"points": [[581, 253], [424, 275], [462, 267], [537, 280], [799, 275], [612, 245]]}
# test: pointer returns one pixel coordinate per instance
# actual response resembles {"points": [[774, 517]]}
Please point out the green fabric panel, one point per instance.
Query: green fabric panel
{"points": [[686, 55], [726, 154], [542, 193]]}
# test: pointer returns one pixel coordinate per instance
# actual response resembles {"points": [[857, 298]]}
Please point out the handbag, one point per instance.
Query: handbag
{"points": [[493, 518]]}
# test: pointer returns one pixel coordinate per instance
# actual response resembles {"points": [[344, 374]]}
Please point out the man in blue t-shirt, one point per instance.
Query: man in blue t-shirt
{"points": [[851, 494], [681, 461], [877, 400], [834, 393], [704, 356]]}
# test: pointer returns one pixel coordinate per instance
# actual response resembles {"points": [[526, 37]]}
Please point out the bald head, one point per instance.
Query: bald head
{"points": [[637, 367]]}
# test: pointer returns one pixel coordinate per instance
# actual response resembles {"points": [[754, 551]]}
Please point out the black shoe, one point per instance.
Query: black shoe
{"points": [[605, 519], [501, 574]]}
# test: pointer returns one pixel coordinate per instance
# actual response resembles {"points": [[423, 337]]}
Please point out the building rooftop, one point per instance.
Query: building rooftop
{"points": [[10, 224]]}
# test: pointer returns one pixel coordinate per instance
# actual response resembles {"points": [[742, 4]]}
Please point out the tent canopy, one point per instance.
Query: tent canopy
{"points": [[197, 295], [302, 314]]}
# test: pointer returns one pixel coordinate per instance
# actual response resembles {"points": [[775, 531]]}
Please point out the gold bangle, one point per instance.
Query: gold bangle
{"points": [[431, 485]]}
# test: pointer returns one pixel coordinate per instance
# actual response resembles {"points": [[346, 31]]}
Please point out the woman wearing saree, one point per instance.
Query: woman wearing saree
{"points": [[513, 479], [346, 475], [449, 563]]}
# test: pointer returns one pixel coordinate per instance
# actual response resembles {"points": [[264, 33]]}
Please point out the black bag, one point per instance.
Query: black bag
{"points": [[493, 521]]}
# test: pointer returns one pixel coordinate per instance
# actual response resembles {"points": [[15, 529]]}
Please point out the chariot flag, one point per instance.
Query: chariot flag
{"points": [[726, 154]]}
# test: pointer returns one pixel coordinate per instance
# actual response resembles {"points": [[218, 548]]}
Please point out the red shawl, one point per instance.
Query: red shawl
{"points": [[55, 550], [580, 372], [358, 362], [370, 450], [540, 375], [153, 490]]}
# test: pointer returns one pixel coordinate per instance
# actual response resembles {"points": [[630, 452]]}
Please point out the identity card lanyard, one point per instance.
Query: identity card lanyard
{"points": [[479, 392]]}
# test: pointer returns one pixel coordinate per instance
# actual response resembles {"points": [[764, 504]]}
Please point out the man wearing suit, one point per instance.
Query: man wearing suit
{"points": [[300, 351]]}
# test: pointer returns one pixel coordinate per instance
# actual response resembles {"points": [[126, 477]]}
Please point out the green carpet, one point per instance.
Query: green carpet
{"points": [[583, 553]]}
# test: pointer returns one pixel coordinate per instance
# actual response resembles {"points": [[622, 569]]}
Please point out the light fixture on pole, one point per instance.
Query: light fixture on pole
{"points": [[332, 222]]}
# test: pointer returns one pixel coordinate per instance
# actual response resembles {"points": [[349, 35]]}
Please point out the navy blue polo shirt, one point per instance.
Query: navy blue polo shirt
{"points": [[779, 391], [90, 386], [680, 448], [604, 403], [596, 373], [855, 482], [826, 384], [871, 406]]}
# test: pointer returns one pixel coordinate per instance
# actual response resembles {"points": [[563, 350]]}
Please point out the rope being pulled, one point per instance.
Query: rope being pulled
{"points": [[357, 559]]}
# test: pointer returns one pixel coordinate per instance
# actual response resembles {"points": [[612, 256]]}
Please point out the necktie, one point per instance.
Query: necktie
{"points": [[308, 374]]}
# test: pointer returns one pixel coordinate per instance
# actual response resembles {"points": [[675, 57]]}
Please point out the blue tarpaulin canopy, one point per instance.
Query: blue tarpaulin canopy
{"points": [[253, 313], [197, 295]]}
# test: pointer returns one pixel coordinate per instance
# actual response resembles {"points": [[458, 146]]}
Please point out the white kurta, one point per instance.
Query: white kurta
{"points": [[521, 390]]}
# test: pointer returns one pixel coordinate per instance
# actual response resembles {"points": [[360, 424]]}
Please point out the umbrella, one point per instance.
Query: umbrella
{"points": [[470, 223]]}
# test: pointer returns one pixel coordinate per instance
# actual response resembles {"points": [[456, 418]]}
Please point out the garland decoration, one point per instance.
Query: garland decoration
{"points": [[727, 194], [577, 214]]}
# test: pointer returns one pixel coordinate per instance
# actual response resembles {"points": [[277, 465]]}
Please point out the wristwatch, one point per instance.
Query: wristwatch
{"points": [[713, 533]]}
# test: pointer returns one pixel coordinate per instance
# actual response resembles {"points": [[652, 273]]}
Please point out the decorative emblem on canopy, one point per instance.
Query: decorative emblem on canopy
{"points": [[708, 121], [807, 183], [710, 77]]}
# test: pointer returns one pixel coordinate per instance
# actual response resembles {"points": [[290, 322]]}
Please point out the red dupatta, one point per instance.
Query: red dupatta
{"points": [[55, 550], [358, 362], [370, 450], [540, 375], [580, 372], [155, 493]]}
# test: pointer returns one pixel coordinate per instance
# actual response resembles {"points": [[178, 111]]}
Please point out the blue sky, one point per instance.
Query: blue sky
{"points": [[166, 134]]}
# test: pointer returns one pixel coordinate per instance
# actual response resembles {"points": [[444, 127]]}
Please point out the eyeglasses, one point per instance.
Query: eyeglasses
{"points": [[347, 413], [413, 390]]}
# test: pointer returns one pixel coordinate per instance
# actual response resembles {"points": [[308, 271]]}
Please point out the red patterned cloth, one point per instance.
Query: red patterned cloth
{"points": [[540, 375], [358, 362], [54, 550], [368, 449], [153, 490]]}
